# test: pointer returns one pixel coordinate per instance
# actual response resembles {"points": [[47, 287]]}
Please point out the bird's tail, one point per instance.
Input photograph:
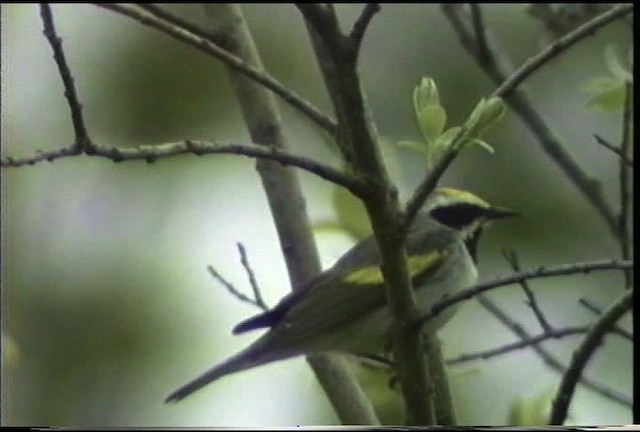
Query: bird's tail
{"points": [[255, 354]]}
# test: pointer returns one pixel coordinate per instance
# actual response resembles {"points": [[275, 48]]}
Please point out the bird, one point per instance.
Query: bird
{"points": [[344, 308]]}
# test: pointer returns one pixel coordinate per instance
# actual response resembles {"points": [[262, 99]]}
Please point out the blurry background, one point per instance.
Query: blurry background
{"points": [[107, 304]]}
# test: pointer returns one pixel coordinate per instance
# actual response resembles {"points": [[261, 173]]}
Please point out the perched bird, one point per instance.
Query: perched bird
{"points": [[343, 309]]}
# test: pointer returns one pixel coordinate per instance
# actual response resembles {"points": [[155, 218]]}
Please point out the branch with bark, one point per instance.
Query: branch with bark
{"points": [[498, 67], [583, 354], [540, 272], [152, 153]]}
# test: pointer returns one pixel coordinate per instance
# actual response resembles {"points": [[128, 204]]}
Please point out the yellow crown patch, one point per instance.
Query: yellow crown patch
{"points": [[460, 195]]}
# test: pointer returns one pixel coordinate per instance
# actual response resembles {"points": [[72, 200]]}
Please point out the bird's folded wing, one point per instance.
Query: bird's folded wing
{"points": [[344, 298]]}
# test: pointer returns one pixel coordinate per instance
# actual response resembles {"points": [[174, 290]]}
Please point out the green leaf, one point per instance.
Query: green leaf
{"points": [[417, 146], [425, 94], [430, 115], [611, 100], [531, 411], [483, 144], [431, 120], [445, 140], [615, 67], [486, 113], [609, 92], [601, 84]]}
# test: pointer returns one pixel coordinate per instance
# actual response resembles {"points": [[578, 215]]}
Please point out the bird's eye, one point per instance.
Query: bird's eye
{"points": [[457, 216]]}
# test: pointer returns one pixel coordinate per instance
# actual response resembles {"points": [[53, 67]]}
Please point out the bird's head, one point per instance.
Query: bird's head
{"points": [[465, 212]]}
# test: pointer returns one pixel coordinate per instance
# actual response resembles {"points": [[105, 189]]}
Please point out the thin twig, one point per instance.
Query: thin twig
{"points": [[176, 20], [598, 311], [82, 141], [524, 343], [178, 32], [429, 183], [497, 67], [559, 20], [553, 50], [583, 353], [527, 342], [625, 194], [252, 279], [614, 149], [512, 259], [478, 26], [361, 24], [548, 358], [151, 153], [229, 286], [567, 269]]}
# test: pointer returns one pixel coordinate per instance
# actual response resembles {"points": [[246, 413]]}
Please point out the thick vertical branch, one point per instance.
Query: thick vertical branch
{"points": [[444, 407], [625, 194], [285, 200], [338, 59]]}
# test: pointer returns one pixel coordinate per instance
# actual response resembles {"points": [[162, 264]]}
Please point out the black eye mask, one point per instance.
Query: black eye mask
{"points": [[458, 216]]}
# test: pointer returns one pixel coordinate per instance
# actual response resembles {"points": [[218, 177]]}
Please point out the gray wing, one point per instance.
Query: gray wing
{"points": [[332, 302], [358, 256], [329, 301]]}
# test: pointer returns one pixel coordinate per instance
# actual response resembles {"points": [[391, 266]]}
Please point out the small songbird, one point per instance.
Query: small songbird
{"points": [[343, 309]]}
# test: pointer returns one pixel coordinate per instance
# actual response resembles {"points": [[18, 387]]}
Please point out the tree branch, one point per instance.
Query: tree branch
{"points": [[583, 353], [176, 30], [359, 146], [429, 183], [497, 66], [512, 259], [445, 410], [287, 203], [524, 343], [553, 50], [598, 311], [151, 153], [547, 357], [360, 26], [235, 292], [625, 187], [567, 269], [615, 150], [480, 48], [325, 22], [82, 142], [252, 279], [480, 31]]}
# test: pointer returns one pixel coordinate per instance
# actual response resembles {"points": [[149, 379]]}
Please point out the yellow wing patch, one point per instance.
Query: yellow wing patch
{"points": [[372, 275]]}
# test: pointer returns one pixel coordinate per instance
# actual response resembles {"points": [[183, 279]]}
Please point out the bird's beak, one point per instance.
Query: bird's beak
{"points": [[500, 212]]}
